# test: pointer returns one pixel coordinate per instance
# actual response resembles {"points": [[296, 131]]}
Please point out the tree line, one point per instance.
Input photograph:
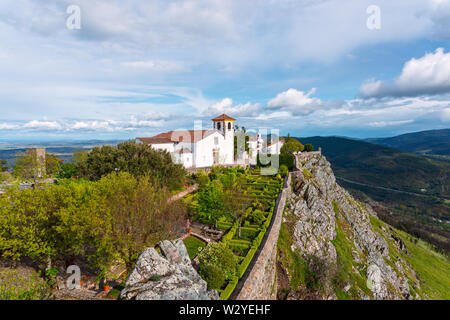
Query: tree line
{"points": [[107, 206]]}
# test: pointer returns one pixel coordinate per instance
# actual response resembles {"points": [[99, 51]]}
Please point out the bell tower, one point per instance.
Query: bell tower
{"points": [[225, 125]]}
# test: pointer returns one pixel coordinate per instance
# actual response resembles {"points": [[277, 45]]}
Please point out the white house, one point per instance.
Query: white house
{"points": [[198, 148], [255, 146], [274, 148]]}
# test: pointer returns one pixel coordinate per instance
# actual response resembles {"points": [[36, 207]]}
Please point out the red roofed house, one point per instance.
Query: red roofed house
{"points": [[198, 148]]}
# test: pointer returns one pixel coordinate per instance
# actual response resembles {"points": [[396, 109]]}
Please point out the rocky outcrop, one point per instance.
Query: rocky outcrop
{"points": [[169, 276], [347, 254]]}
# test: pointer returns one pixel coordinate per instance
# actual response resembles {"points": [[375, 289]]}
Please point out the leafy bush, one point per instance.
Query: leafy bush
{"points": [[287, 159], [202, 178], [291, 145], [139, 159], [309, 147], [213, 275], [14, 286], [284, 170], [220, 255]]}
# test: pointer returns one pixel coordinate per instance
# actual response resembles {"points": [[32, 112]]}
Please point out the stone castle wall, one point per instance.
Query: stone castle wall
{"points": [[261, 282]]}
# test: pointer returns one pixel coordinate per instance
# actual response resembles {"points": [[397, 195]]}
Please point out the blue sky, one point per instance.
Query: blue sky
{"points": [[136, 68]]}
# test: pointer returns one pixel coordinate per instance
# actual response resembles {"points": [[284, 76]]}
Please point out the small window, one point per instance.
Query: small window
{"points": [[216, 140], [229, 125], [218, 125]]}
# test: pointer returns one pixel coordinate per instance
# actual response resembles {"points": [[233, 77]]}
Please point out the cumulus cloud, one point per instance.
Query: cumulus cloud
{"points": [[440, 16], [296, 102], [429, 74], [239, 110], [42, 125]]}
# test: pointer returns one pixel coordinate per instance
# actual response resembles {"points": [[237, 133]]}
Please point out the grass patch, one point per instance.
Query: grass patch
{"points": [[301, 274], [192, 245], [431, 267], [345, 263]]}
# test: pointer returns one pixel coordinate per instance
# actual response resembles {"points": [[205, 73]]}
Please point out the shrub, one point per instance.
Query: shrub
{"points": [[14, 286], [283, 170], [139, 159], [309, 147], [213, 275], [220, 255], [226, 293], [257, 217], [202, 178], [287, 159]]}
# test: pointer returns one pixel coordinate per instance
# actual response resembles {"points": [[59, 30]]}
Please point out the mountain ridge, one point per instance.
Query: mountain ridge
{"points": [[334, 247]]}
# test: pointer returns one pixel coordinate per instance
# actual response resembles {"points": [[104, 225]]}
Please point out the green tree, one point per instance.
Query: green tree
{"points": [[52, 164], [140, 215], [202, 179], [3, 166], [291, 145], [25, 166], [139, 159], [309, 147], [66, 171], [210, 200]]}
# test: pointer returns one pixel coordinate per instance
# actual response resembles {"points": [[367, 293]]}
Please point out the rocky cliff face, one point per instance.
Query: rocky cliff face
{"points": [[331, 248], [170, 276]]}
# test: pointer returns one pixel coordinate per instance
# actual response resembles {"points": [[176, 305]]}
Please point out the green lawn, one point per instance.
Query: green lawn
{"points": [[433, 268], [192, 244]]}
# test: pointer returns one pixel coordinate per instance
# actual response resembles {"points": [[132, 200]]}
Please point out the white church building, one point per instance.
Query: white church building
{"points": [[198, 148], [207, 148]]}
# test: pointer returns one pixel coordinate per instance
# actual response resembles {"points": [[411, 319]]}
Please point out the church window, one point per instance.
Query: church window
{"points": [[218, 125], [229, 125], [216, 140]]}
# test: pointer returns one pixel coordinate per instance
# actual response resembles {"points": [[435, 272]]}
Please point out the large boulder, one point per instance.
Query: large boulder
{"points": [[167, 277]]}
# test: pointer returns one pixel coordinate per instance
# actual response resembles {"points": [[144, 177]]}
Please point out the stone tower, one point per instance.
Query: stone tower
{"points": [[38, 155]]}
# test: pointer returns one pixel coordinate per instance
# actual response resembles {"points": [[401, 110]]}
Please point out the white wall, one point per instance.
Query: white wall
{"points": [[203, 150]]}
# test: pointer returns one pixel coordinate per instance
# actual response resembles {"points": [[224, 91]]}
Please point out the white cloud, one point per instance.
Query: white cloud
{"points": [[43, 125], [380, 124], [445, 116], [240, 110], [8, 126], [156, 66], [297, 102], [429, 74]]}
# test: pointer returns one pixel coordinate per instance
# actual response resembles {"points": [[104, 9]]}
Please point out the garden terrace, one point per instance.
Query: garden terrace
{"points": [[243, 235]]}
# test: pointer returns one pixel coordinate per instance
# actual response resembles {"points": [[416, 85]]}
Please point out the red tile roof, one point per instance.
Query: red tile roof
{"points": [[155, 140], [223, 117], [178, 136]]}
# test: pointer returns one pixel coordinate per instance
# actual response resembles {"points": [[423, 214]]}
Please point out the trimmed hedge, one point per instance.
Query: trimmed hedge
{"points": [[226, 293], [242, 267], [230, 234]]}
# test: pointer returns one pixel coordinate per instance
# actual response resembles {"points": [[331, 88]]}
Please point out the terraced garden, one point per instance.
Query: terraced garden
{"points": [[244, 235]]}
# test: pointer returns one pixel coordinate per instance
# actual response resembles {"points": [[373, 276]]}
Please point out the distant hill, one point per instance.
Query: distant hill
{"points": [[432, 142], [62, 149], [414, 188]]}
